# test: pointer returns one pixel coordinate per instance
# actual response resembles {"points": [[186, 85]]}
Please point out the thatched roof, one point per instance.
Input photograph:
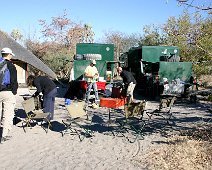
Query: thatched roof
{"points": [[24, 55]]}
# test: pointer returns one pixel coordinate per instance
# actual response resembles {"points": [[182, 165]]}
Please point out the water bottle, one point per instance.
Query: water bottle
{"points": [[67, 101]]}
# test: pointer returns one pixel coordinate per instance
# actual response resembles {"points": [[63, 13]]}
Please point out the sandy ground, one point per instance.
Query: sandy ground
{"points": [[106, 149]]}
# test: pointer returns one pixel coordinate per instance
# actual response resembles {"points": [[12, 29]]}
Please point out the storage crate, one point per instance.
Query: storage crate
{"points": [[101, 85], [112, 102]]}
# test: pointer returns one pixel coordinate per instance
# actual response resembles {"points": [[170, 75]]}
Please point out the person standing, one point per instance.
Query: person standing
{"points": [[48, 88], [8, 90], [129, 82], [91, 74]]}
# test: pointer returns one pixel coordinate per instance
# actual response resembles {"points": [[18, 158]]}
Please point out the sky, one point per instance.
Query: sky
{"points": [[127, 16]]}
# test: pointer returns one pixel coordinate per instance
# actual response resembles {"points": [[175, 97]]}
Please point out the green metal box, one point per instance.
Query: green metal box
{"points": [[155, 53], [151, 54], [105, 50], [175, 70]]}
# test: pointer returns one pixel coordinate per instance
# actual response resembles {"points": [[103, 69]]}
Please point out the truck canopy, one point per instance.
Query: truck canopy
{"points": [[157, 53], [175, 70], [105, 50], [153, 54]]}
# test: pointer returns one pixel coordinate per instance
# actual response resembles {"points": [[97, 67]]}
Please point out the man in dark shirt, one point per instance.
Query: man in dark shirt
{"points": [[129, 81], [48, 88], [7, 96]]}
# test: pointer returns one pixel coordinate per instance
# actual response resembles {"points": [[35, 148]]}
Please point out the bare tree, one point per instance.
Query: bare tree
{"points": [[60, 38], [16, 34], [121, 41], [197, 4], [79, 33], [152, 36], [88, 34], [57, 30]]}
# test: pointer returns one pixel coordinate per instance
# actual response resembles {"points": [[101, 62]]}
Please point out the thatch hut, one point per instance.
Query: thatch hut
{"points": [[23, 57]]}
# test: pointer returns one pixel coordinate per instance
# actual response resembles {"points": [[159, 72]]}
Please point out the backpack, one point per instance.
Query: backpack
{"points": [[4, 74]]}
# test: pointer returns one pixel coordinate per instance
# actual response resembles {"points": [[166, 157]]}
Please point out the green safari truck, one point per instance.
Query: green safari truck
{"points": [[151, 65], [85, 52], [102, 53]]}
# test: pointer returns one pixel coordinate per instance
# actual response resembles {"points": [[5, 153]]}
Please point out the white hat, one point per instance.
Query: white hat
{"points": [[119, 69], [7, 51], [93, 61]]}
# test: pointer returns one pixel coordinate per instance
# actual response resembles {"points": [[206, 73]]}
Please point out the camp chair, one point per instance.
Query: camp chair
{"points": [[133, 120], [33, 115], [164, 109], [78, 122], [135, 109]]}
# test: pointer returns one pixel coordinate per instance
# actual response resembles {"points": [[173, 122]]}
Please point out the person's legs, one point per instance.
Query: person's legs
{"points": [[8, 111], [49, 101], [1, 109], [95, 91], [130, 90], [88, 91], [1, 116]]}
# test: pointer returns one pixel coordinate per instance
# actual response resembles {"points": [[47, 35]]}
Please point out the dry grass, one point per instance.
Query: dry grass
{"points": [[200, 132], [192, 152]]}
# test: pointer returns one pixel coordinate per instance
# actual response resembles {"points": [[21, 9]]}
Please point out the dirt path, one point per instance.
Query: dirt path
{"points": [[37, 150]]}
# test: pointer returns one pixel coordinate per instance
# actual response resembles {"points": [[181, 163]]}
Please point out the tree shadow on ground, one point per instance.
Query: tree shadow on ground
{"points": [[20, 116], [165, 126], [178, 122]]}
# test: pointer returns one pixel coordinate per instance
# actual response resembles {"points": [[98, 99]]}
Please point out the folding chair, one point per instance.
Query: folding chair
{"points": [[33, 115], [164, 109], [135, 109], [78, 122], [133, 119]]}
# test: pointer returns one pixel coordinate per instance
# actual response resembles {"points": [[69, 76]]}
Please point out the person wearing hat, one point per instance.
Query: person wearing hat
{"points": [[91, 74], [7, 95]]}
